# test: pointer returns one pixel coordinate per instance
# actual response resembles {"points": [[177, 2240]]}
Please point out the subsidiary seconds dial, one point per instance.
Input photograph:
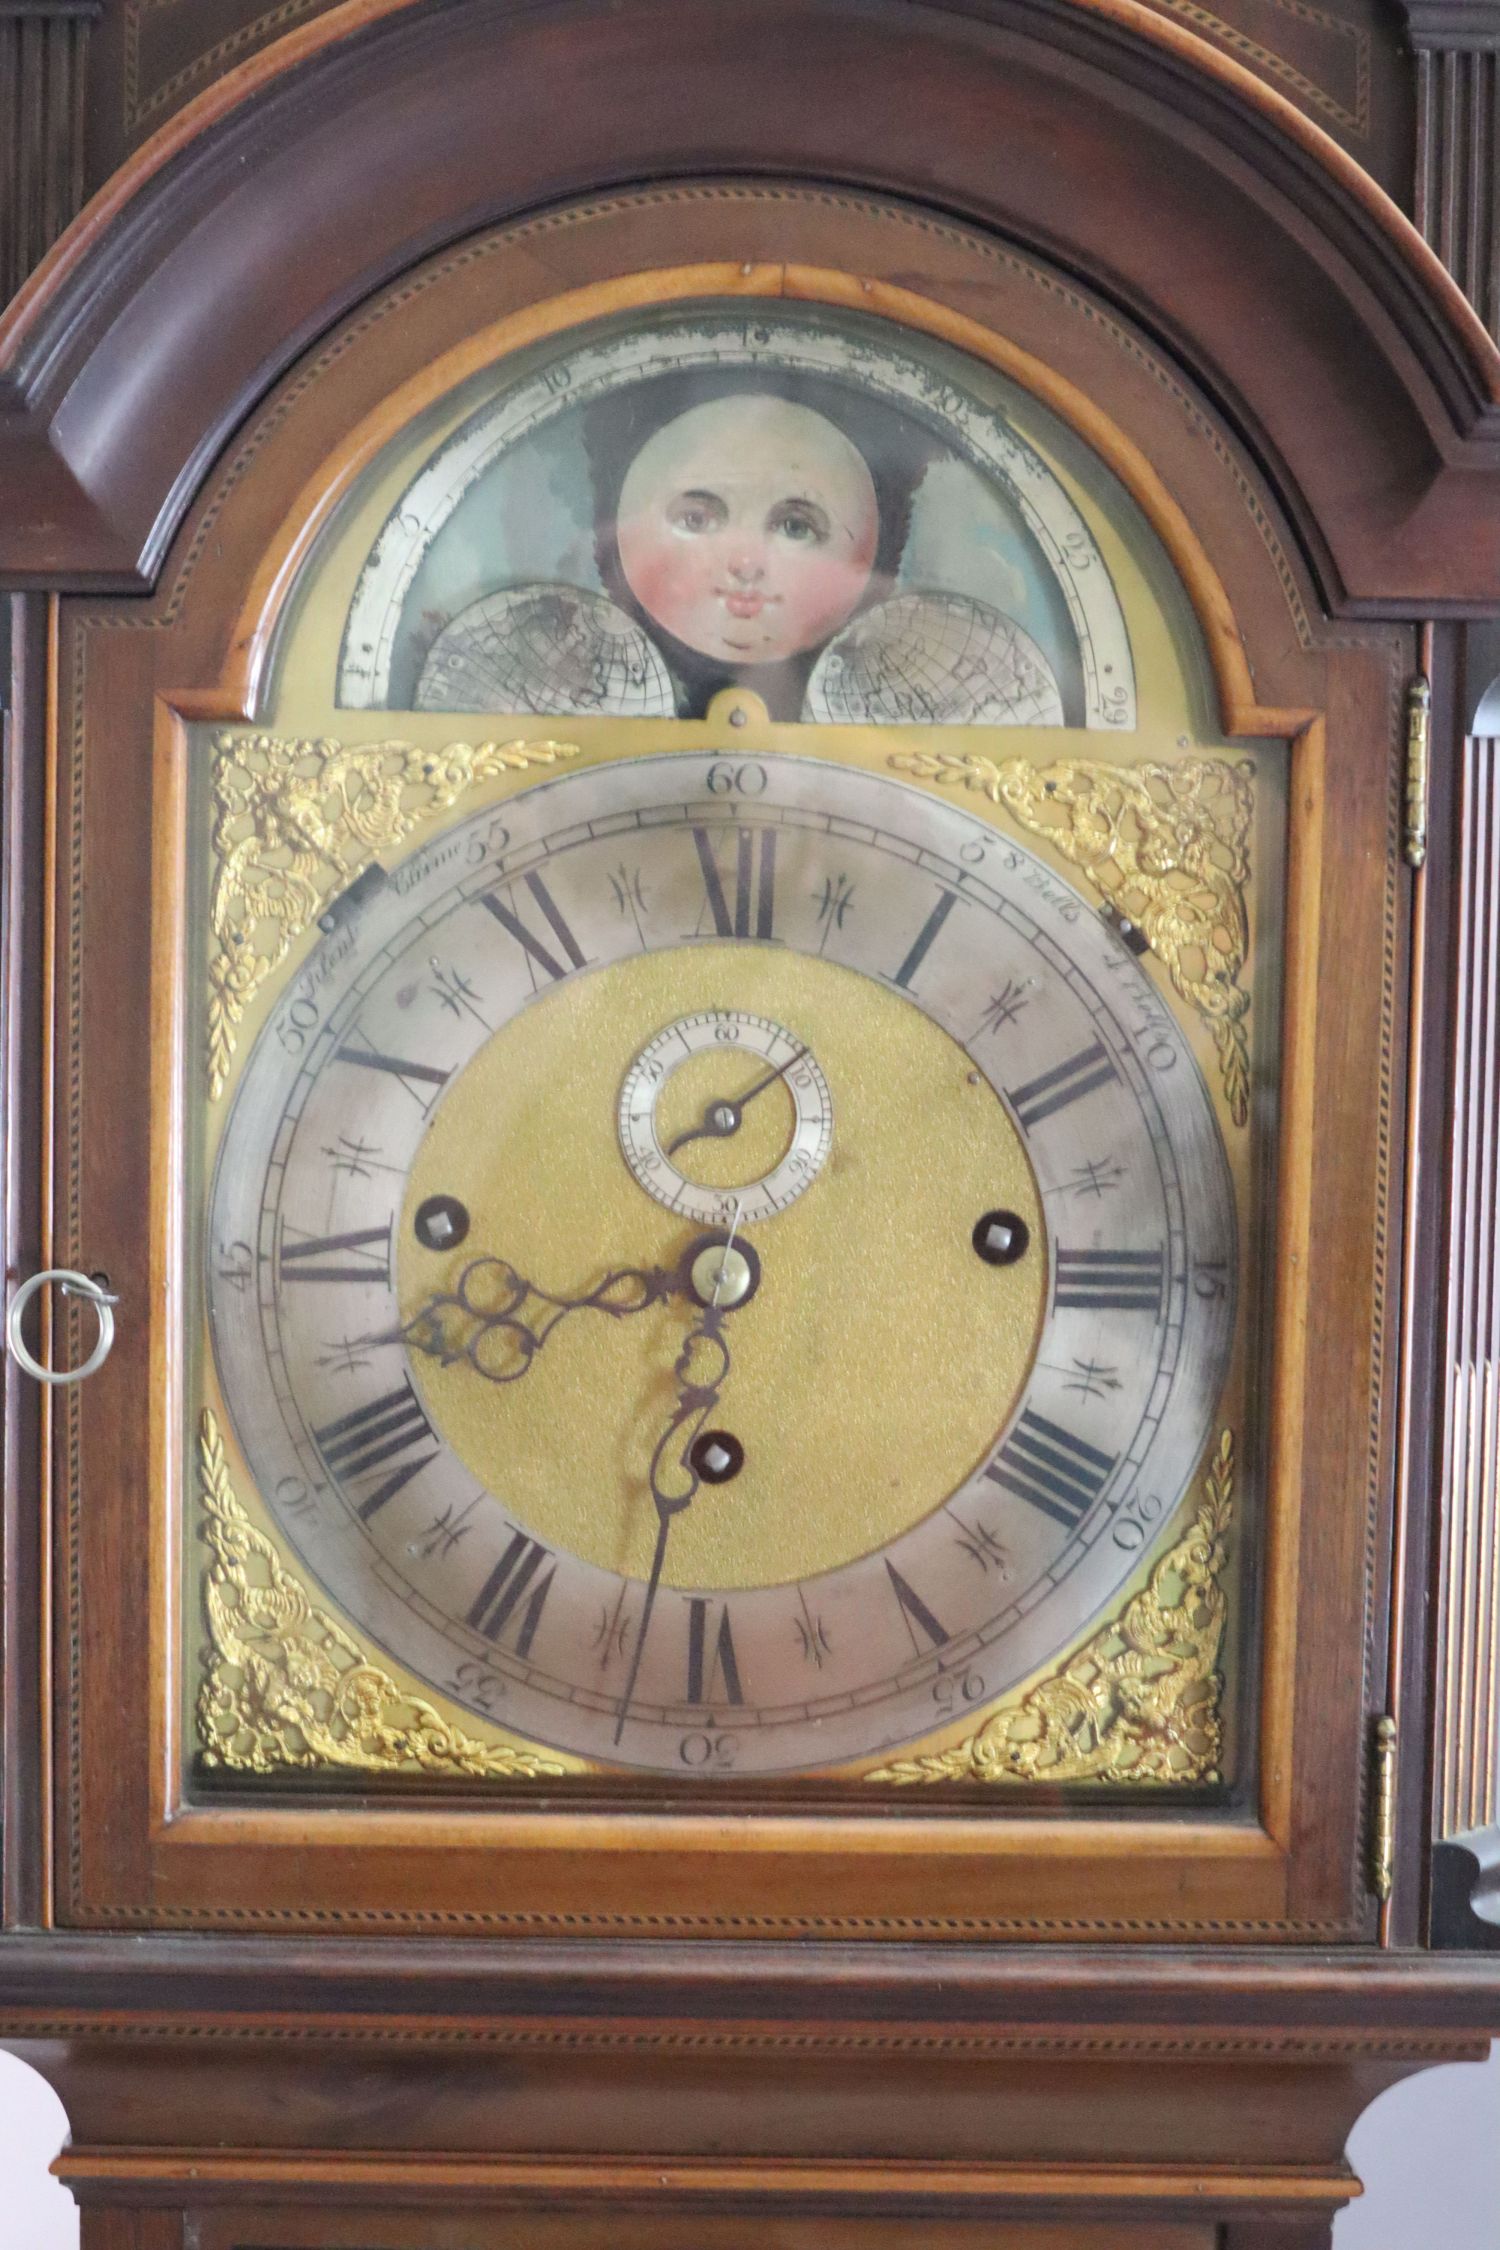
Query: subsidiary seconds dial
{"points": [[738, 1246]]}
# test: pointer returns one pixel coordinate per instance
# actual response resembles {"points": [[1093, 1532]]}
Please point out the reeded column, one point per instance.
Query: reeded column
{"points": [[43, 62], [1457, 47], [1466, 1769]]}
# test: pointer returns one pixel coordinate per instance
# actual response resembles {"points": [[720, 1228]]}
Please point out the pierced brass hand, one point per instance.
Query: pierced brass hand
{"points": [[675, 1482], [498, 1320]]}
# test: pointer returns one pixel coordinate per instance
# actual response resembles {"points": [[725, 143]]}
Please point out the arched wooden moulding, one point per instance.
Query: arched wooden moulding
{"points": [[1159, 172], [242, 557]]}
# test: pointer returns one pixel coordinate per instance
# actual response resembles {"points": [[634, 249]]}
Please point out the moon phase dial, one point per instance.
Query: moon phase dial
{"points": [[723, 1111]]}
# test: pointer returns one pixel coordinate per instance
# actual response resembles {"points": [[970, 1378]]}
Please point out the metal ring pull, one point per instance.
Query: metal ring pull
{"points": [[73, 1285]]}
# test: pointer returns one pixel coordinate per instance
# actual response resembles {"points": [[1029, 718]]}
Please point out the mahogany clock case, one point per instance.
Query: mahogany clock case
{"points": [[140, 1848], [1193, 2007]]}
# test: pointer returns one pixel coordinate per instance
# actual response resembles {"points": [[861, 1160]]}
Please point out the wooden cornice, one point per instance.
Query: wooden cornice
{"points": [[1470, 25], [69, 1985], [369, 139]]}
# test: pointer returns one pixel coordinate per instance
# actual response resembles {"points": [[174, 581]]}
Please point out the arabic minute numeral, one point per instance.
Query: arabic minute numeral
{"points": [[476, 1684], [296, 1021], [707, 1753], [951, 1691], [489, 844], [1136, 1521], [746, 780]]}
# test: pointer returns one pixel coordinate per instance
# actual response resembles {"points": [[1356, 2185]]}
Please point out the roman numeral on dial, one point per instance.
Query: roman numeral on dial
{"points": [[300, 1261], [704, 1670], [371, 1435], [536, 948], [515, 1589], [918, 1618], [1067, 1082], [1110, 1280], [921, 944], [411, 1074], [1053, 1470], [754, 883]]}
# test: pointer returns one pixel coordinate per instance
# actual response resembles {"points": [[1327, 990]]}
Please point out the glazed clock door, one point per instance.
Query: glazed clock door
{"points": [[741, 1256], [737, 993]]}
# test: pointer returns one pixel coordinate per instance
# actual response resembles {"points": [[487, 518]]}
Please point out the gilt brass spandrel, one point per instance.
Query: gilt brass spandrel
{"points": [[286, 1688], [1140, 1701], [1166, 846], [296, 821]]}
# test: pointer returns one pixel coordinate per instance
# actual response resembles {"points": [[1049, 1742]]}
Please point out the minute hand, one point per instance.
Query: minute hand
{"points": [[695, 1402]]}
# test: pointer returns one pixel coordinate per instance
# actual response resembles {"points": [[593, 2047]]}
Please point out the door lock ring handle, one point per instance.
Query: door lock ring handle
{"points": [[72, 1285]]}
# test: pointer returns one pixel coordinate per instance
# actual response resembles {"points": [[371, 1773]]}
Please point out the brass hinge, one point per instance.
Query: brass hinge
{"points": [[1383, 1808], [1418, 743]]}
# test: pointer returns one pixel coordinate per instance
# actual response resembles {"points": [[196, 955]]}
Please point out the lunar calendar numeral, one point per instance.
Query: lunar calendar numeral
{"points": [[1052, 1469], [372, 1435], [1109, 1280], [297, 1257], [515, 1586], [754, 882], [704, 1670], [918, 1617], [1068, 1082], [534, 947]]}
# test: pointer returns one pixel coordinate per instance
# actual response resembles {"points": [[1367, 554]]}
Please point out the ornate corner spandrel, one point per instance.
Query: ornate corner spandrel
{"points": [[286, 1688], [1141, 1700], [296, 822], [1168, 849]]}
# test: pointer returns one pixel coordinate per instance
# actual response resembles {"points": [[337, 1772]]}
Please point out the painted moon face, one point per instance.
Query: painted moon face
{"points": [[747, 529]]}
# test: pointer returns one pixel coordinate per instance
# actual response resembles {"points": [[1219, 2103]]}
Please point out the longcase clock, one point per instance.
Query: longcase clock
{"points": [[737, 1078]]}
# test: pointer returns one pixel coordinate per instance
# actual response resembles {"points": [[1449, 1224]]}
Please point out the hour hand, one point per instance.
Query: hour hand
{"points": [[498, 1319], [702, 1369]]}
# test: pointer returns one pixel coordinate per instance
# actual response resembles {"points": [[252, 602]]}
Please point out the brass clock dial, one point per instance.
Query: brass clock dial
{"points": [[741, 1248]]}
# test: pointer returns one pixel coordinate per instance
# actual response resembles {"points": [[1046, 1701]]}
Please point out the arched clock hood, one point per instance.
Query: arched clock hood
{"points": [[1155, 169]]}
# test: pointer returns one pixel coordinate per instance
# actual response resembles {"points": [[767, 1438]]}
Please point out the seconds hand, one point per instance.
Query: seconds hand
{"points": [[721, 1119], [734, 1224]]}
